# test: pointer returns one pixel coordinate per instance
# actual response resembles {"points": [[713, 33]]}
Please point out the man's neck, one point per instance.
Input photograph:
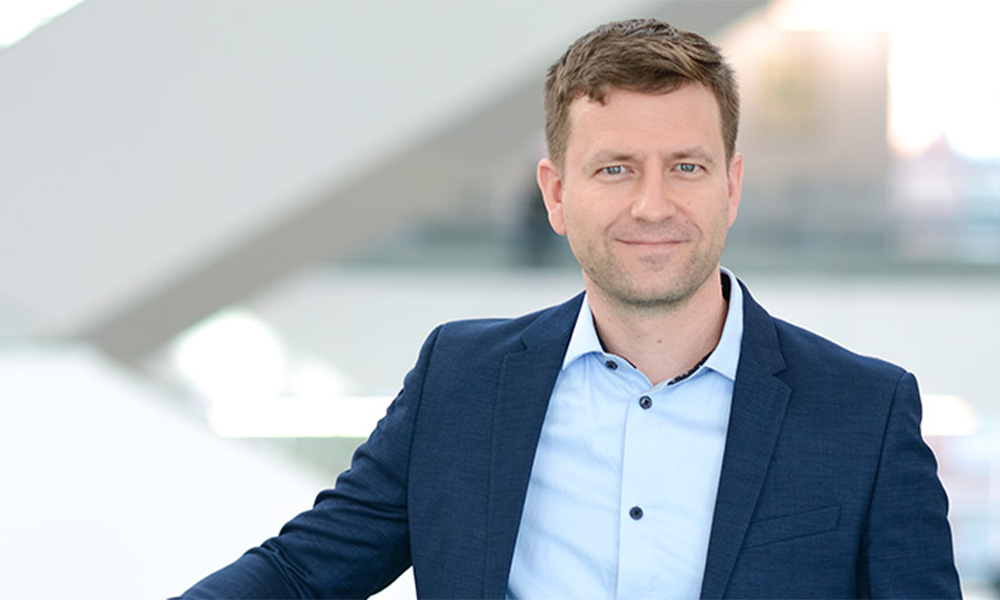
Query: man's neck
{"points": [[662, 342]]}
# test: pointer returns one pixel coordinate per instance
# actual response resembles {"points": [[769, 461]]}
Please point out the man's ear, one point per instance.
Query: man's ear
{"points": [[735, 186], [550, 182]]}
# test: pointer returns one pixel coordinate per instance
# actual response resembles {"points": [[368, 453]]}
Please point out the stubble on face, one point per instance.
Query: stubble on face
{"points": [[660, 285]]}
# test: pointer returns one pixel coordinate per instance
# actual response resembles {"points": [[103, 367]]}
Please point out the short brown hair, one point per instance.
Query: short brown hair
{"points": [[640, 55]]}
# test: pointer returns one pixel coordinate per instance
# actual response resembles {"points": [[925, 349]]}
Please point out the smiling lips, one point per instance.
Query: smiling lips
{"points": [[651, 242], [666, 236]]}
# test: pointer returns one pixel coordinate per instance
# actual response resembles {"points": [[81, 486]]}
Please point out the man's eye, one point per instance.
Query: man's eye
{"points": [[688, 167], [614, 170]]}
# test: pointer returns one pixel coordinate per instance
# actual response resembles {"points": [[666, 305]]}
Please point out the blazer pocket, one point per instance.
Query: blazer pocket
{"points": [[790, 527]]}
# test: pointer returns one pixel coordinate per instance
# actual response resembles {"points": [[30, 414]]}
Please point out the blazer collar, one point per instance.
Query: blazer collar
{"points": [[526, 381], [758, 409]]}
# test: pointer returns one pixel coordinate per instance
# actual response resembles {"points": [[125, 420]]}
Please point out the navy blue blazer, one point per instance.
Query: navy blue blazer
{"points": [[827, 489]]}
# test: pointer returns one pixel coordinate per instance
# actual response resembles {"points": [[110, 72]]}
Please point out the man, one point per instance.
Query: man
{"points": [[658, 436]]}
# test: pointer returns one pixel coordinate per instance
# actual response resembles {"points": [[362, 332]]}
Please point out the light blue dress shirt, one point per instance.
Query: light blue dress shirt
{"points": [[623, 486]]}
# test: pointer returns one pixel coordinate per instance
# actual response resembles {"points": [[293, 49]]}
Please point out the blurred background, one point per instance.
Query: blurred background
{"points": [[226, 227]]}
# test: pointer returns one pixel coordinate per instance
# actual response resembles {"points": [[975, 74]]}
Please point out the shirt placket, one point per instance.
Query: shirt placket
{"points": [[637, 517]]}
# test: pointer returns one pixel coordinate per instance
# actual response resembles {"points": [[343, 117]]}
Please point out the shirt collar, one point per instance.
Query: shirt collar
{"points": [[584, 338], [724, 358]]}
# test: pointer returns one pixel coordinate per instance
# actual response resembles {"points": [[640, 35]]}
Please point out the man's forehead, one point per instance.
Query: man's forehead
{"points": [[623, 113], [601, 96]]}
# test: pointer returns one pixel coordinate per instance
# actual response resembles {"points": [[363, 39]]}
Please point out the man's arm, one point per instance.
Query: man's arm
{"points": [[907, 550], [355, 539]]}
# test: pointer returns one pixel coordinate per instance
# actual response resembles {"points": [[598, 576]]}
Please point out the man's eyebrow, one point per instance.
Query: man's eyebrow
{"points": [[610, 156], [617, 156], [693, 152]]}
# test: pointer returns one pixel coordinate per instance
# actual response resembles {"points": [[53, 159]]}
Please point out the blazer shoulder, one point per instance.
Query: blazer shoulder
{"points": [[807, 351], [504, 335], [782, 346]]}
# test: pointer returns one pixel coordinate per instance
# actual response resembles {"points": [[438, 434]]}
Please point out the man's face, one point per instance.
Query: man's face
{"points": [[645, 196]]}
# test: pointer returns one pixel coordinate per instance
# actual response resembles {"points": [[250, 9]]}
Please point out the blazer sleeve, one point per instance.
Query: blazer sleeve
{"points": [[907, 548], [355, 539]]}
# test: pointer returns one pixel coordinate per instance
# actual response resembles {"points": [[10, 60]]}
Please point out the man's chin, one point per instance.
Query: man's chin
{"points": [[650, 300], [636, 297]]}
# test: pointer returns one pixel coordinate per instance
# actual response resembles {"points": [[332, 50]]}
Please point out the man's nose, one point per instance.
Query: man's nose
{"points": [[653, 200]]}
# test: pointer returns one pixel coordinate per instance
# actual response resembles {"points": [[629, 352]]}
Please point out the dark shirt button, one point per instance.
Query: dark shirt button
{"points": [[611, 365], [635, 512], [645, 402]]}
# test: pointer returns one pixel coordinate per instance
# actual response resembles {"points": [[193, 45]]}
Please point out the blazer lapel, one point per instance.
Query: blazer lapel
{"points": [[758, 409], [526, 383]]}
